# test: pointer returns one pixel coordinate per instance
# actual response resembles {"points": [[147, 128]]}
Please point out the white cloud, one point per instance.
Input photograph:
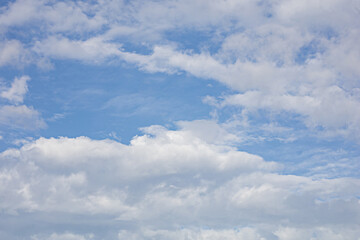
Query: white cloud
{"points": [[63, 236], [170, 178], [315, 233], [71, 17], [281, 61], [248, 233], [193, 234], [15, 94], [314, 14], [346, 49], [263, 62], [159, 152], [332, 108], [91, 50], [54, 16], [209, 131], [262, 56], [12, 52], [19, 12], [21, 117], [17, 116], [150, 17]]}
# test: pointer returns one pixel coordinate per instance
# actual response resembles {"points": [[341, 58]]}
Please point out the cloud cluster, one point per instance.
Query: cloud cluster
{"points": [[274, 52], [176, 180]]}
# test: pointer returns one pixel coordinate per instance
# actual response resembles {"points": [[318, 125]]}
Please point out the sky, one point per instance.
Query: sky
{"points": [[184, 120]]}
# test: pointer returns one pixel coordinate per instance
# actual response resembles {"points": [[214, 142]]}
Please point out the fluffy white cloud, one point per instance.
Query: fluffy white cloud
{"points": [[159, 152], [170, 178]]}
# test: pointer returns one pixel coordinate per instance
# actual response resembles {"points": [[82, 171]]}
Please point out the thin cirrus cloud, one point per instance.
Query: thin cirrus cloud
{"points": [[273, 160]]}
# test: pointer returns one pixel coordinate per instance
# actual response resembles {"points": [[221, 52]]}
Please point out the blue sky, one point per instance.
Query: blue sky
{"points": [[169, 119]]}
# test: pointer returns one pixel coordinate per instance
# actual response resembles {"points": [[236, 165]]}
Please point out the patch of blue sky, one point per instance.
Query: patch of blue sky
{"points": [[308, 51], [6, 3], [97, 100], [25, 35]]}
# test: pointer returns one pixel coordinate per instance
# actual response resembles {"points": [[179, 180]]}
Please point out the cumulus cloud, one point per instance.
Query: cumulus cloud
{"points": [[165, 179], [146, 155]]}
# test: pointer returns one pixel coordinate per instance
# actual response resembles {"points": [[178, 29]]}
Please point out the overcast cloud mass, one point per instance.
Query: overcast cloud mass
{"points": [[184, 120]]}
